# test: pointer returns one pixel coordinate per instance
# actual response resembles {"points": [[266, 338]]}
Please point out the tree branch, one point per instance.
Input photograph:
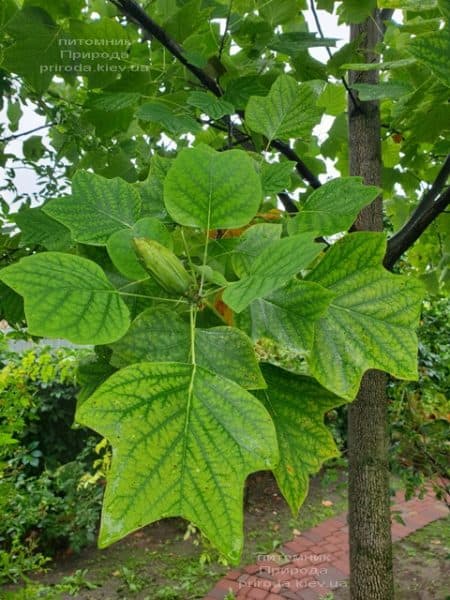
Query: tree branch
{"points": [[302, 169], [15, 136], [131, 9], [433, 203]]}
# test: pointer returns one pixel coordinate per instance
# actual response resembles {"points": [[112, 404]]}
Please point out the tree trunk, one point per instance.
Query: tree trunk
{"points": [[371, 576]]}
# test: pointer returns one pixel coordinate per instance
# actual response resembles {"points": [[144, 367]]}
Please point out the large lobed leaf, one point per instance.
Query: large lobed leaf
{"points": [[371, 321], [97, 208], [68, 296], [182, 446], [334, 206], [290, 110], [297, 405]]}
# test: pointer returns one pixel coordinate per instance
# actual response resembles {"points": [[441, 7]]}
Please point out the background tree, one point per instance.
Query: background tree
{"points": [[125, 90]]}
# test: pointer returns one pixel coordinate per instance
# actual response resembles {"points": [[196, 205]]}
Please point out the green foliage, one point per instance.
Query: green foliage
{"points": [[288, 111], [419, 412], [47, 503], [151, 156]]}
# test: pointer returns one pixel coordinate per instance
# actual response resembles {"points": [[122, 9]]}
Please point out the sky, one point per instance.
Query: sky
{"points": [[26, 179]]}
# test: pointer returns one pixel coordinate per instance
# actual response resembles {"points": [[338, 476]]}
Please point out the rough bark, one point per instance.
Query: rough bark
{"points": [[371, 575]]}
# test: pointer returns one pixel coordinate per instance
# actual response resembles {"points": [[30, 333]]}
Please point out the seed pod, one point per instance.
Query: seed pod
{"points": [[163, 265]]}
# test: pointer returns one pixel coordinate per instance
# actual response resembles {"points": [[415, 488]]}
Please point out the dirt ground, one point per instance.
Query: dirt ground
{"points": [[167, 562]]}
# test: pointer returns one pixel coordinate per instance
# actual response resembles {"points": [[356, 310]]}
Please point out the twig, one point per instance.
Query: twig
{"points": [[19, 135], [225, 33], [132, 10], [330, 54]]}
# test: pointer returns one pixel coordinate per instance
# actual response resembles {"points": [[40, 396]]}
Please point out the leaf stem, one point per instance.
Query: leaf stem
{"points": [[177, 301]]}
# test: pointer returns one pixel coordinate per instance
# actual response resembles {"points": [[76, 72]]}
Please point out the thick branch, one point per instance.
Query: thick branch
{"points": [[433, 203], [131, 9]]}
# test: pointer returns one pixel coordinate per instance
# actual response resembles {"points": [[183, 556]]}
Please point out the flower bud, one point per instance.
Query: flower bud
{"points": [[162, 264]]}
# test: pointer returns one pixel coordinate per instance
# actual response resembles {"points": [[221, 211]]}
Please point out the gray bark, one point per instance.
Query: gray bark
{"points": [[371, 575]]}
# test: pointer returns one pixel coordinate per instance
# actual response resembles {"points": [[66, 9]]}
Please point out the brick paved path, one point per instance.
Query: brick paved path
{"points": [[316, 561]]}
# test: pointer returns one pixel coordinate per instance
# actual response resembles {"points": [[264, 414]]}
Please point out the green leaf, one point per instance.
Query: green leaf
{"points": [[239, 90], [212, 190], [433, 49], [333, 207], [92, 371], [253, 241], [33, 148], [294, 42], [121, 251], [276, 264], [37, 228], [370, 323], [209, 104], [279, 11], [333, 99], [151, 190], [297, 405], [35, 47], [171, 425], [97, 208], [68, 296], [289, 110], [356, 11], [288, 315], [160, 335], [384, 89], [386, 66], [412, 5], [276, 177], [111, 102], [158, 111]]}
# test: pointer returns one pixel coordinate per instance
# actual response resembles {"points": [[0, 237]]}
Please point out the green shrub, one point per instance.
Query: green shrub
{"points": [[49, 499], [419, 411]]}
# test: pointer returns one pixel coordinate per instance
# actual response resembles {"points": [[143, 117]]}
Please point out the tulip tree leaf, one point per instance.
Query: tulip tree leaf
{"points": [[433, 49], [288, 314], [297, 405], [121, 251], [289, 110], [334, 206], [210, 105], [171, 425], [370, 323], [276, 264], [68, 296], [37, 228], [97, 208], [276, 177], [253, 241], [212, 190], [159, 334]]}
